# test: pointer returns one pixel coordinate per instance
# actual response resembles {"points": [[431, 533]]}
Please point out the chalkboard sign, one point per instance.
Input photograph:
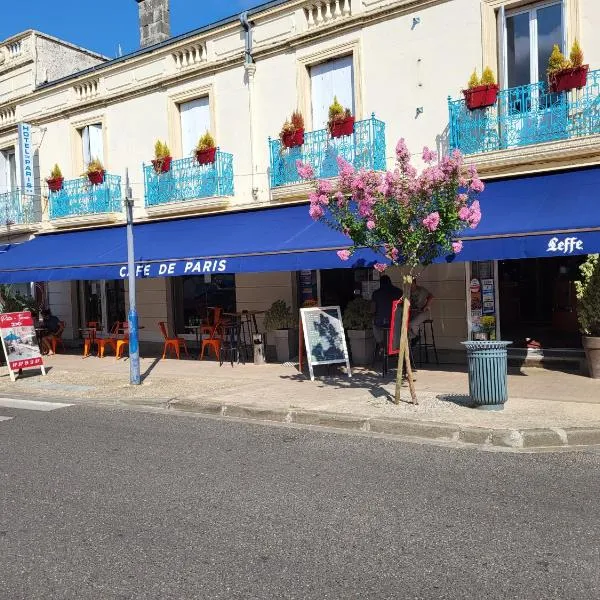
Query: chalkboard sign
{"points": [[324, 337], [395, 328]]}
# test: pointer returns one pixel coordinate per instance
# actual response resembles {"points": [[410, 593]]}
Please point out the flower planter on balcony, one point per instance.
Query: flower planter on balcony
{"points": [[568, 79], [96, 177], [481, 96], [206, 157], [291, 139], [162, 165], [342, 127], [55, 184]]}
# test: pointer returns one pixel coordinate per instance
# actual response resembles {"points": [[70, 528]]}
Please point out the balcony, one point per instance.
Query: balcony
{"points": [[19, 211], [365, 148], [188, 184], [525, 116], [81, 202]]}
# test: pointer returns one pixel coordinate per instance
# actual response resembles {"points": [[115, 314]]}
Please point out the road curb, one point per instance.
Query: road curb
{"points": [[516, 439]]}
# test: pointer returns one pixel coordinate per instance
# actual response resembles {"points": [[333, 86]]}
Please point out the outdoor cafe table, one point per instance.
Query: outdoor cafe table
{"points": [[196, 329], [248, 326]]}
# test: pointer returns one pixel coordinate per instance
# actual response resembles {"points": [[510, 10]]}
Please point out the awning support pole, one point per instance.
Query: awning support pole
{"points": [[134, 347]]}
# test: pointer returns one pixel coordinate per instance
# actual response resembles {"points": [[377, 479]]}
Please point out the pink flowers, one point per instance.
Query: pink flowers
{"points": [[432, 221], [464, 213], [324, 186], [402, 154], [457, 246], [381, 267], [344, 254], [370, 224], [305, 170], [428, 155], [474, 215], [315, 211], [476, 185]]}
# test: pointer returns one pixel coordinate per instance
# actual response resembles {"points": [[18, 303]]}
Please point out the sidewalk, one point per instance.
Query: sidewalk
{"points": [[548, 403]]}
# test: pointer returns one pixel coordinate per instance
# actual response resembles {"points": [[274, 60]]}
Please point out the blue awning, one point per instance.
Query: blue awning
{"points": [[277, 239], [539, 215]]}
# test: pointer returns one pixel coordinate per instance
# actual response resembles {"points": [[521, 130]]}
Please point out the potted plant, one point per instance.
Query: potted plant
{"points": [[55, 181], [280, 321], [481, 92], [162, 158], [206, 149], [563, 74], [95, 172], [358, 322], [292, 132], [341, 121], [588, 311]]}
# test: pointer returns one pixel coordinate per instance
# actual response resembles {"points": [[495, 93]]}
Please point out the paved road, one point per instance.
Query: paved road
{"points": [[110, 503]]}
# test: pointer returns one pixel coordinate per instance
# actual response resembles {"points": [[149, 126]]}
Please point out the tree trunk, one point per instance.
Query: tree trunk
{"points": [[404, 356]]}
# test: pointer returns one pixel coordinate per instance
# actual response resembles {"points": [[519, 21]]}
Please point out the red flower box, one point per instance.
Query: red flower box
{"points": [[481, 96], [162, 165], [568, 79], [96, 177], [342, 127], [290, 139], [55, 183], [205, 157]]}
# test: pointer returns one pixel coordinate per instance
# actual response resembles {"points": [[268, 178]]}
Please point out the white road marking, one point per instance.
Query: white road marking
{"points": [[31, 404]]}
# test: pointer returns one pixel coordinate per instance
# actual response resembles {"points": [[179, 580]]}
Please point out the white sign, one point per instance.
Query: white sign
{"points": [[26, 158], [567, 245]]}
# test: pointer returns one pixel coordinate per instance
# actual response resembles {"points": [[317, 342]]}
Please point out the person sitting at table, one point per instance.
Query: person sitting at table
{"points": [[381, 307], [52, 327]]}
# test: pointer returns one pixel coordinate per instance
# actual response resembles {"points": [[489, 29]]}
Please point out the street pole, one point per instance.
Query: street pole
{"points": [[134, 347]]}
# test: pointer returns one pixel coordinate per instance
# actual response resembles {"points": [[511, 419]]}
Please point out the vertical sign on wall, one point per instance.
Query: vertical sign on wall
{"points": [[26, 158]]}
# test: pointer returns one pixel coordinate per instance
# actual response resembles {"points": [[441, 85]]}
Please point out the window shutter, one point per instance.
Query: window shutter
{"points": [[96, 142], [195, 122], [85, 142]]}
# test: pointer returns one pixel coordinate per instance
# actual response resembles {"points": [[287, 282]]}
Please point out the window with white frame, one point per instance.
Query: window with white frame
{"points": [[334, 78], [528, 35], [8, 171], [92, 143], [195, 122]]}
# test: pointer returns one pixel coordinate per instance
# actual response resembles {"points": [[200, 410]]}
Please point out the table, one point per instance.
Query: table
{"points": [[196, 329], [247, 320]]}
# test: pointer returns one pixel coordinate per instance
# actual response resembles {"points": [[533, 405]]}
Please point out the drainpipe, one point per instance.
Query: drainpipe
{"points": [[250, 69]]}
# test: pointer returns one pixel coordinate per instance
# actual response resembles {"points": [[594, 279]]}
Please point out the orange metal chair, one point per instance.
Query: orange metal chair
{"points": [[209, 327], [123, 342], [172, 343], [57, 337], [107, 340], [89, 339], [213, 341]]}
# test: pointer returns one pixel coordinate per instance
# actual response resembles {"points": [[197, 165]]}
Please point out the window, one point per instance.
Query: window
{"points": [[194, 294], [529, 36], [195, 121], [329, 79], [8, 171], [92, 143]]}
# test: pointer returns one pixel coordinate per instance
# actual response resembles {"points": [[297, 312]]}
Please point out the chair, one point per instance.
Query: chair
{"points": [[207, 328], [57, 337], [172, 343], [89, 339], [122, 342], [231, 344], [424, 344], [213, 341], [103, 341]]}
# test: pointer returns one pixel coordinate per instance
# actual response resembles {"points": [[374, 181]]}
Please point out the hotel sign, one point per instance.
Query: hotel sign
{"points": [[26, 158]]}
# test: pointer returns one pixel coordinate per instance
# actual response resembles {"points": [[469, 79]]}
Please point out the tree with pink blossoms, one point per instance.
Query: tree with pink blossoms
{"points": [[410, 219]]}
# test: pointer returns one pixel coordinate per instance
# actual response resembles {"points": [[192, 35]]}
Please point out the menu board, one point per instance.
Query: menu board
{"points": [[324, 337], [20, 342]]}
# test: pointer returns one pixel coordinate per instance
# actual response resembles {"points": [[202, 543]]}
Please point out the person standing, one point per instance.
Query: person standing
{"points": [[420, 303], [381, 306]]}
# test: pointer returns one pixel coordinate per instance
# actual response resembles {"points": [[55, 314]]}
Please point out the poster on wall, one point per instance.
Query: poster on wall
{"points": [[488, 297], [20, 344]]}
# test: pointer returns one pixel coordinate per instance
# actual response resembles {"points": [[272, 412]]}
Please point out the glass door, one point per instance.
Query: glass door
{"points": [[102, 301], [532, 114]]}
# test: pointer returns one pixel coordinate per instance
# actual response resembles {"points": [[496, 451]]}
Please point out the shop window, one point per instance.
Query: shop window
{"points": [[193, 295], [329, 79], [195, 122], [92, 143], [102, 301], [8, 171]]}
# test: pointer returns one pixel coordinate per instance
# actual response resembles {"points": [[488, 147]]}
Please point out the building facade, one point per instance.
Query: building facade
{"points": [[398, 65]]}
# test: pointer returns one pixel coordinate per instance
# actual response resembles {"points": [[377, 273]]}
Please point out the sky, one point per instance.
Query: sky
{"points": [[103, 26]]}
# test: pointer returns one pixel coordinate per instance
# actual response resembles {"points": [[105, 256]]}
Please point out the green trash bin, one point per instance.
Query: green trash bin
{"points": [[487, 373]]}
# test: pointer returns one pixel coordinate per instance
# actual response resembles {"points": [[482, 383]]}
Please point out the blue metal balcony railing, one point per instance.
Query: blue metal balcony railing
{"points": [[79, 197], [365, 148], [187, 180], [17, 208], [526, 115]]}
